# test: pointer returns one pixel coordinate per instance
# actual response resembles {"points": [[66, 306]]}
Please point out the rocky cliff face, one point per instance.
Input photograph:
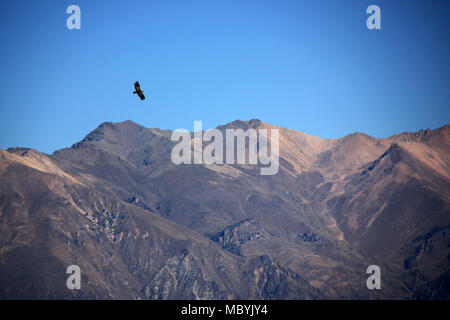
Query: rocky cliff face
{"points": [[141, 227]]}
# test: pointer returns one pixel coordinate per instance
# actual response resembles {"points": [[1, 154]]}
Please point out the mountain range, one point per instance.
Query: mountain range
{"points": [[141, 227]]}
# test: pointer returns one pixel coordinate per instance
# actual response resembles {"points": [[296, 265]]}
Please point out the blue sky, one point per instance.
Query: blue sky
{"points": [[312, 66]]}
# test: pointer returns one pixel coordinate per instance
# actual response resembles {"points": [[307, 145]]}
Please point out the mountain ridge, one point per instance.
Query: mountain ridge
{"points": [[335, 207]]}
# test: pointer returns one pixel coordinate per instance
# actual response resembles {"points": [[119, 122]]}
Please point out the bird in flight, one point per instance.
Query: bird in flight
{"points": [[137, 89]]}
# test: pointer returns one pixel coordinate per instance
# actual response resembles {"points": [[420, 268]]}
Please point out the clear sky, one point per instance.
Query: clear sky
{"points": [[311, 65]]}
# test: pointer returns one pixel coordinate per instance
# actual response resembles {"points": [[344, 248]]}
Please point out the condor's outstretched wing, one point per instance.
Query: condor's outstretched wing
{"points": [[138, 90], [141, 95], [137, 86]]}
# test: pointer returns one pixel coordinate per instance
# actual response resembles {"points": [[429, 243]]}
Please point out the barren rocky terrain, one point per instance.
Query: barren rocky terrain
{"points": [[141, 227]]}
